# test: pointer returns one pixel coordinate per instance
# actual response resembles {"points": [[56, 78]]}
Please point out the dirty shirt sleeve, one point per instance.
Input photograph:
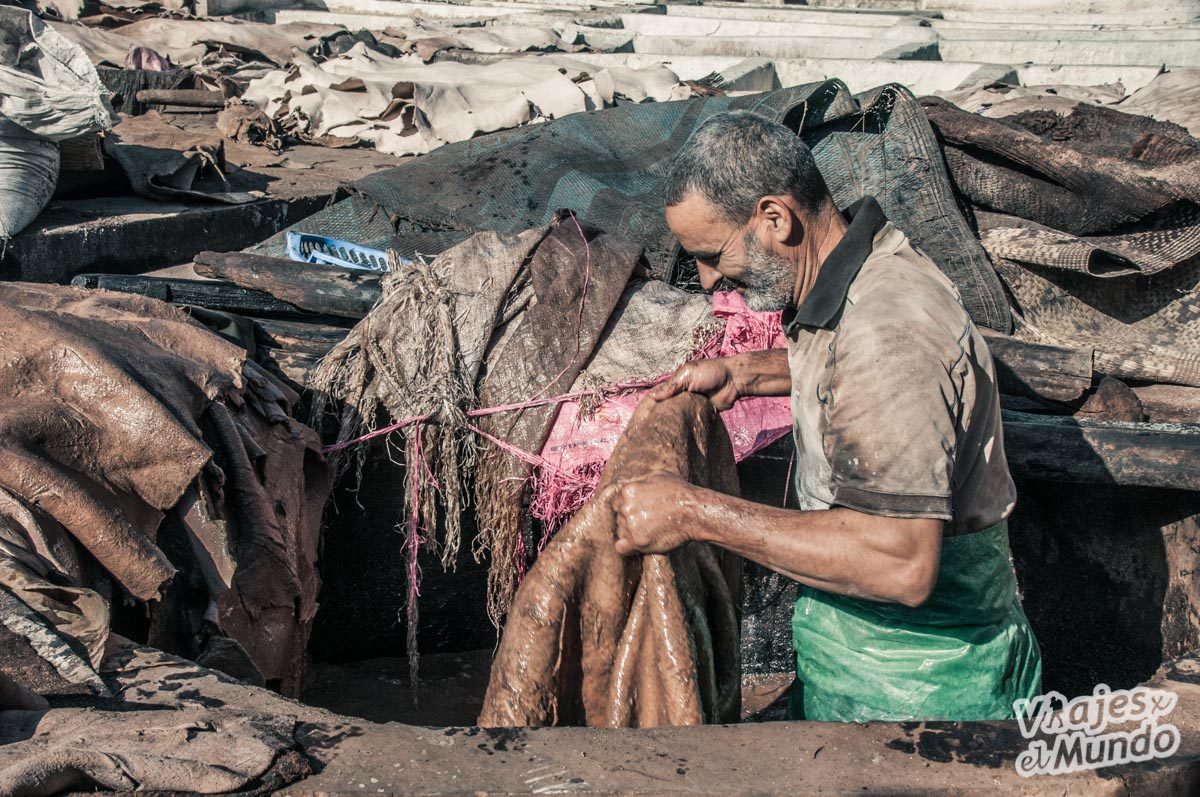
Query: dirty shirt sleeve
{"points": [[894, 413]]}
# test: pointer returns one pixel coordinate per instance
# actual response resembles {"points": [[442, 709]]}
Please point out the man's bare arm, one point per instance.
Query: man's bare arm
{"points": [[726, 379], [837, 550]]}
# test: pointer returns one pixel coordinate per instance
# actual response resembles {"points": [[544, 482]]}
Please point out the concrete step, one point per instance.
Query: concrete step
{"points": [[659, 25], [908, 29], [1149, 14], [129, 235], [1015, 7], [380, 15], [426, 10], [757, 46], [783, 14], [1057, 24], [375, 22], [1131, 77], [1161, 34], [1168, 53]]}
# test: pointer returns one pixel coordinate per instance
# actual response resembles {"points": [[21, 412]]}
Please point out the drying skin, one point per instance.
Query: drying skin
{"points": [[594, 638], [143, 458]]}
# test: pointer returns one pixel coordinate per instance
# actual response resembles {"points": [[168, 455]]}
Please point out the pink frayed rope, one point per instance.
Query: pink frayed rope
{"points": [[605, 390]]}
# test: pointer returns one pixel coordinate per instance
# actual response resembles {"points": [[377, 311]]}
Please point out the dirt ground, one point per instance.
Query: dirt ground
{"points": [[452, 688]]}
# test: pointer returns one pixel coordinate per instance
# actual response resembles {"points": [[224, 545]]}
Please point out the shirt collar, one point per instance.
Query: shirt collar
{"points": [[824, 302]]}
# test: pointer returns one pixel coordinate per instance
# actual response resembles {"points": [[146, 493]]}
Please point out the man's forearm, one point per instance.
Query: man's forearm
{"points": [[837, 550], [761, 373]]}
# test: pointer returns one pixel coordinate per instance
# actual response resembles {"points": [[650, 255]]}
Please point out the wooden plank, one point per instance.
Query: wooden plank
{"points": [[296, 336], [1066, 449], [223, 296], [188, 98], [1037, 370], [293, 349], [1058, 448], [329, 290], [296, 368]]}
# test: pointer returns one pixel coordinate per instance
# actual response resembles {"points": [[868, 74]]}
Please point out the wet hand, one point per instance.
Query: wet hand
{"points": [[712, 378], [652, 514]]}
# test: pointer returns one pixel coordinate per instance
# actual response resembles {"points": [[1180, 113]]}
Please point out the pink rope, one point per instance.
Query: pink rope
{"points": [[606, 390], [542, 466], [330, 449], [528, 458]]}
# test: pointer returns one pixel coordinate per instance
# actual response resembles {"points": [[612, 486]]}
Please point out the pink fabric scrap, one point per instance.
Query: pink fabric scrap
{"points": [[578, 447], [140, 57]]}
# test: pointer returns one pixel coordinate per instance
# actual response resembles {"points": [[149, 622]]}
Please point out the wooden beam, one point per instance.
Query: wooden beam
{"points": [[329, 290], [222, 296], [1066, 449], [296, 336], [1037, 370], [293, 349], [188, 98]]}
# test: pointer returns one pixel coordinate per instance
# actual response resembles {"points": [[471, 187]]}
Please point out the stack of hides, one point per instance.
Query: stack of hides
{"points": [[1092, 217], [147, 462]]}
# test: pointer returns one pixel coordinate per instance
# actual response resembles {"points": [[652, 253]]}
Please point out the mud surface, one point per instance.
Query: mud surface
{"points": [[451, 688], [598, 639]]}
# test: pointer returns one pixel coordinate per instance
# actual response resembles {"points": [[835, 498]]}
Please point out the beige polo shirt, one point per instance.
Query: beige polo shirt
{"points": [[895, 407]]}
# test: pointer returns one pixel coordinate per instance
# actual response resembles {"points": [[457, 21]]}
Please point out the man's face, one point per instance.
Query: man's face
{"points": [[765, 279]]}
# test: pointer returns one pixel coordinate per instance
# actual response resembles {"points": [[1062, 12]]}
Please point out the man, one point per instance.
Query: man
{"points": [[907, 604]]}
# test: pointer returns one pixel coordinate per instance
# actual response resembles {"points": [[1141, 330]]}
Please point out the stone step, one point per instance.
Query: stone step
{"points": [[757, 46], [1012, 51], [129, 235], [751, 11], [659, 25], [1161, 34]]}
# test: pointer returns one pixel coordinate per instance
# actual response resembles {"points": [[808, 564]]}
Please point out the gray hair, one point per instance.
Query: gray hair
{"points": [[736, 158]]}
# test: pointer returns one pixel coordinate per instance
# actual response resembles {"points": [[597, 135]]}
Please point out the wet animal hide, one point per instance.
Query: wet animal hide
{"points": [[595, 638], [145, 460]]}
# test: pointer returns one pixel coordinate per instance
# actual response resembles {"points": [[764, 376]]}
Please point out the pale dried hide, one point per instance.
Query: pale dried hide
{"points": [[186, 41], [406, 107]]}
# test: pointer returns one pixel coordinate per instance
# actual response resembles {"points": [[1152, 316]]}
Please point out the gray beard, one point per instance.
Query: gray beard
{"points": [[768, 278]]}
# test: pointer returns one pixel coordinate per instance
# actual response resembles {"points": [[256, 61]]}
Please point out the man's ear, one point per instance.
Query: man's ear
{"points": [[777, 221]]}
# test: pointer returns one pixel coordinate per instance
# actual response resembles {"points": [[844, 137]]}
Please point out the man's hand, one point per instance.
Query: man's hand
{"points": [[654, 513], [712, 378], [727, 379]]}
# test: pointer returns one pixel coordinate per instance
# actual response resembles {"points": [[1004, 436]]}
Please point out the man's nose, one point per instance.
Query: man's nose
{"points": [[709, 276]]}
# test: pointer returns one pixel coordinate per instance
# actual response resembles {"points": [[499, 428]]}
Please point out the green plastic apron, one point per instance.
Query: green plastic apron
{"points": [[965, 654]]}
